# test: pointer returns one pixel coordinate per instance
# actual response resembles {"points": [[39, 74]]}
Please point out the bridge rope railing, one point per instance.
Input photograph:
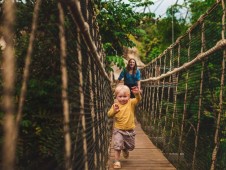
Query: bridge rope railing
{"points": [[55, 91], [183, 106]]}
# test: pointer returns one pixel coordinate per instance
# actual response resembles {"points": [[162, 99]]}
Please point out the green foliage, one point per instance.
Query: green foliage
{"points": [[155, 38], [199, 7], [222, 154], [117, 21], [116, 60], [153, 54], [39, 143]]}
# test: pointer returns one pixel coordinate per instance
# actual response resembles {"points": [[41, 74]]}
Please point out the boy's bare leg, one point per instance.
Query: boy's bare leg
{"points": [[117, 155], [117, 164]]}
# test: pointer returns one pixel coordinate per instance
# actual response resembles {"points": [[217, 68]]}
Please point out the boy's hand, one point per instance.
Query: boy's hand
{"points": [[116, 108], [135, 90]]}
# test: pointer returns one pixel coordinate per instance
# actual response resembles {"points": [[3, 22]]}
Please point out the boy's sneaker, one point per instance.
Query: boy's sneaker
{"points": [[125, 154]]}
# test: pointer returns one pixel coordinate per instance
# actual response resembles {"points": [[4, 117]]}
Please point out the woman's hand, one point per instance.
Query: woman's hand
{"points": [[135, 90]]}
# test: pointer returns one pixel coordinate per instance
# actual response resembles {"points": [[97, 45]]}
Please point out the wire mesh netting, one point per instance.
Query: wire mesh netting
{"points": [[183, 106], [64, 123]]}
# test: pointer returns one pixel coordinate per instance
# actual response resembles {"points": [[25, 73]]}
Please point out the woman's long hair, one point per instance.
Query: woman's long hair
{"points": [[134, 68]]}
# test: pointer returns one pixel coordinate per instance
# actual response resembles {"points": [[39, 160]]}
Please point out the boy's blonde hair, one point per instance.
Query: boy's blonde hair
{"points": [[123, 88]]}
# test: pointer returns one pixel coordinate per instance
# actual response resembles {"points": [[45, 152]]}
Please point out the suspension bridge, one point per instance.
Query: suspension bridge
{"points": [[56, 94]]}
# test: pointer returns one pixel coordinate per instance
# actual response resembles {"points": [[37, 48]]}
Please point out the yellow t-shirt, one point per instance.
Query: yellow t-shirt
{"points": [[124, 119]]}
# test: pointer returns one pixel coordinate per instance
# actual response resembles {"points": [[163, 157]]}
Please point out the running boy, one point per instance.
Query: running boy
{"points": [[123, 113]]}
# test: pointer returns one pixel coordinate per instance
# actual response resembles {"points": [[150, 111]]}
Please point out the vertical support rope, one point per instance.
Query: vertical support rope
{"points": [[82, 103], [167, 105], [8, 75], [154, 96], [175, 82], [174, 95], [159, 103], [183, 116], [64, 77], [163, 89], [177, 79], [98, 145], [28, 62], [99, 117], [200, 99], [150, 70], [93, 112], [157, 67], [199, 117], [184, 109], [216, 137]]}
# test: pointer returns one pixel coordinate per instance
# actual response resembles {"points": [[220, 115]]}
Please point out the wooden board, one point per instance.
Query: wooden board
{"points": [[145, 156]]}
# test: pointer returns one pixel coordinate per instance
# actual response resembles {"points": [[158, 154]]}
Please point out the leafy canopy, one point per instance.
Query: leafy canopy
{"points": [[117, 21]]}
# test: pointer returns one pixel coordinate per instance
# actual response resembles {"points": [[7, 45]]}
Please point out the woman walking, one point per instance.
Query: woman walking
{"points": [[131, 75]]}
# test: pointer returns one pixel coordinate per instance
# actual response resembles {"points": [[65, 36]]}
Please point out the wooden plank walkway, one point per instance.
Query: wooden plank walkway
{"points": [[145, 156]]}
